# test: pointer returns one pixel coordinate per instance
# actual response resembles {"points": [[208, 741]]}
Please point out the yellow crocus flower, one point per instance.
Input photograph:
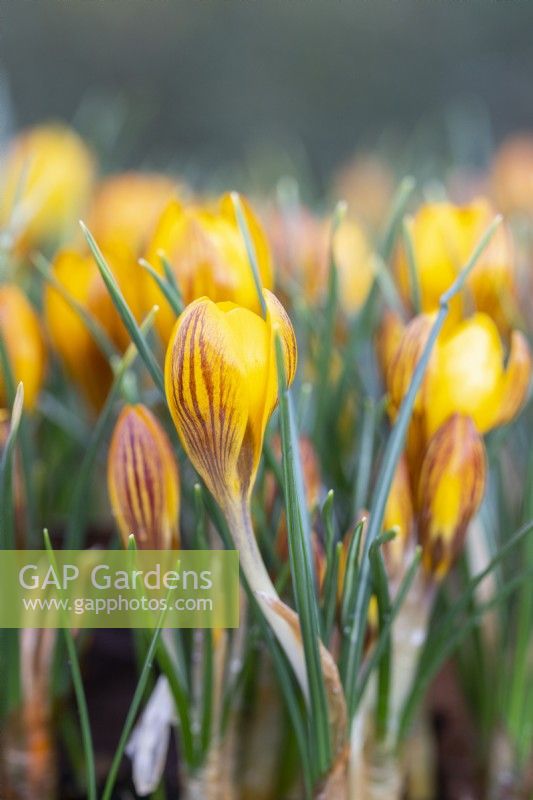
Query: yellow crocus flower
{"points": [[207, 252], [221, 387], [22, 335], [143, 480], [452, 482], [78, 274], [46, 181], [467, 375], [444, 236]]}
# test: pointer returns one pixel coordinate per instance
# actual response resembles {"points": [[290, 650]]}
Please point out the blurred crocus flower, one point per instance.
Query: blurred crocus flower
{"points": [[207, 252], [143, 480], [444, 236], [512, 175], [21, 331], [81, 355], [46, 181]]}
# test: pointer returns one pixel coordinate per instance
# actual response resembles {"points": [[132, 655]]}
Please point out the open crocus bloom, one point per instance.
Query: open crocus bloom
{"points": [[221, 386], [207, 253], [143, 480], [467, 373]]}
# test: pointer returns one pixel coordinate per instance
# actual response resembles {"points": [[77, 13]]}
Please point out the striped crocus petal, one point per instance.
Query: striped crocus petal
{"points": [[143, 480], [452, 482]]}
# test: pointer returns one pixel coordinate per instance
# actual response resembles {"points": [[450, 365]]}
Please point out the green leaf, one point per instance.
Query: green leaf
{"points": [[250, 250], [303, 578], [136, 333], [79, 692]]}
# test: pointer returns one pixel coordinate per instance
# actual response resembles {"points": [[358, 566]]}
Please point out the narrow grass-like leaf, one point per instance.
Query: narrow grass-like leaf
{"points": [[136, 333], [399, 203], [301, 568], [166, 288], [416, 299], [391, 456], [380, 586], [81, 701], [170, 275], [366, 449], [351, 575], [250, 250]]}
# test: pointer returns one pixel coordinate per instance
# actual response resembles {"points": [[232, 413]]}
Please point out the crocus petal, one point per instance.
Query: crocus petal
{"points": [[466, 375], [143, 480], [405, 360], [451, 487], [516, 379]]}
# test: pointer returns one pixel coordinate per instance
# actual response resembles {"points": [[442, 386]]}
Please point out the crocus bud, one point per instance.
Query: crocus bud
{"points": [[47, 178], [126, 207], [208, 255], [451, 487], [143, 480], [221, 387], [22, 335]]}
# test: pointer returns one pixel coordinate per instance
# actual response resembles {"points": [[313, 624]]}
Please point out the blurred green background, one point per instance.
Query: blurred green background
{"points": [[221, 82]]}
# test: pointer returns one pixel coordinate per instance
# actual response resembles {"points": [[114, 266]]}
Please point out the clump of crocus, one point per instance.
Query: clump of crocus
{"points": [[46, 181], [126, 207], [77, 273], [207, 253], [143, 480], [21, 331], [443, 237]]}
